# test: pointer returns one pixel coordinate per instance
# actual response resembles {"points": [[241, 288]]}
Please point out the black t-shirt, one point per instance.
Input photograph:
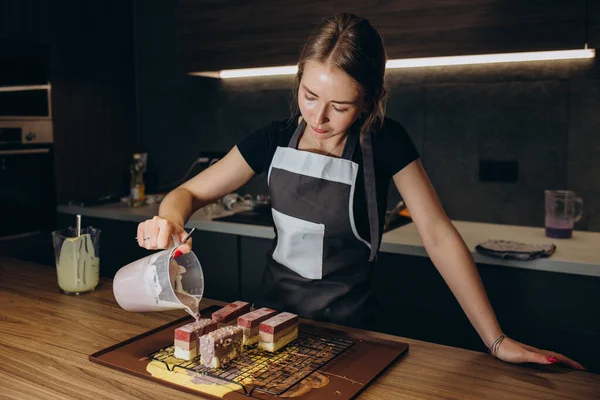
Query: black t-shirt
{"points": [[392, 151]]}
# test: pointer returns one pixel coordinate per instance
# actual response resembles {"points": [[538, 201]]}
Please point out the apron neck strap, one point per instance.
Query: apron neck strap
{"points": [[371, 193], [351, 140], [297, 133]]}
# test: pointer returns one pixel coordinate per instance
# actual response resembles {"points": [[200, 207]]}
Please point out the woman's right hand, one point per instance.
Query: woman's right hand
{"points": [[156, 233]]}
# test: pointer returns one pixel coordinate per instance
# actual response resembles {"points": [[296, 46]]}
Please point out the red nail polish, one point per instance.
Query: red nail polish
{"points": [[177, 253], [551, 360]]}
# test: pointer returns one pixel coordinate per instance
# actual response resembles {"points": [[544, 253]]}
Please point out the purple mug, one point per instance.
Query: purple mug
{"points": [[561, 213]]}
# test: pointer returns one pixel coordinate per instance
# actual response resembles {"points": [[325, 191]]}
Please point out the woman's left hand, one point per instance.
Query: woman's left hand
{"points": [[514, 352]]}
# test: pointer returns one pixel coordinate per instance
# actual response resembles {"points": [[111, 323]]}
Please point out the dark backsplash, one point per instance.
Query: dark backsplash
{"points": [[542, 115]]}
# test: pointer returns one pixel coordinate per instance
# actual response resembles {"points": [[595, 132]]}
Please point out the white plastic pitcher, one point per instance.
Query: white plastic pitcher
{"points": [[150, 283]]}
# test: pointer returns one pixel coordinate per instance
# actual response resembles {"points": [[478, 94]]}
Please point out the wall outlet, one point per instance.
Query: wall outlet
{"points": [[498, 171]]}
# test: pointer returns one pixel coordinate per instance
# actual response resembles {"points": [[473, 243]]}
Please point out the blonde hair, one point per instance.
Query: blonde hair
{"points": [[351, 44]]}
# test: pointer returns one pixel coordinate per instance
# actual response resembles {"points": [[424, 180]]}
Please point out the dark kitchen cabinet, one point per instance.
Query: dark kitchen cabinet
{"points": [[253, 260], [26, 191], [414, 301], [23, 65], [24, 42], [217, 35], [218, 255], [593, 31], [86, 51], [548, 310]]}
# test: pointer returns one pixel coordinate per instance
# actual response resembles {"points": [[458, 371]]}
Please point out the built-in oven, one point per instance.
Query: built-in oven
{"points": [[27, 184]]}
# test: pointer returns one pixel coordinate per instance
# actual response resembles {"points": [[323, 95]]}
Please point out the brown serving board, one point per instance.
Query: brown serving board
{"points": [[346, 376]]}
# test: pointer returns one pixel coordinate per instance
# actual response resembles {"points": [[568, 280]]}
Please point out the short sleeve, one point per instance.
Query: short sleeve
{"points": [[258, 147], [394, 148]]}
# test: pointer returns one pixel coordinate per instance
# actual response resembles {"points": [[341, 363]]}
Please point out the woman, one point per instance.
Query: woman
{"points": [[329, 168]]}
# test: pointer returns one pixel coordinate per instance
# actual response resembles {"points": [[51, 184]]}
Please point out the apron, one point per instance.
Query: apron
{"points": [[320, 267]]}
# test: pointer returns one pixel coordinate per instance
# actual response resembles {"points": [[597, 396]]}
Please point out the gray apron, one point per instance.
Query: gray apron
{"points": [[320, 267]]}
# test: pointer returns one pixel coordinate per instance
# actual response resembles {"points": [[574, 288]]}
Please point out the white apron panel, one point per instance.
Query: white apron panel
{"points": [[314, 165], [299, 245]]}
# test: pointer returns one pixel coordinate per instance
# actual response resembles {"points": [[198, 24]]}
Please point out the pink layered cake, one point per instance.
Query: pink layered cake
{"points": [[278, 331], [187, 336], [250, 323], [229, 314], [219, 347]]}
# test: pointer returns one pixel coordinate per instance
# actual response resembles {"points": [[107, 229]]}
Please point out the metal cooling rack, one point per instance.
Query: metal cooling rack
{"points": [[259, 370]]}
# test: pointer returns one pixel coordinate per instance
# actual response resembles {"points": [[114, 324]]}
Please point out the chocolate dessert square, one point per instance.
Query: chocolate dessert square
{"points": [[278, 331], [186, 337], [228, 315], [251, 323], [219, 347]]}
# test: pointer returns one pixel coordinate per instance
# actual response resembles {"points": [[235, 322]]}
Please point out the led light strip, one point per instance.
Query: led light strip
{"points": [[419, 62]]}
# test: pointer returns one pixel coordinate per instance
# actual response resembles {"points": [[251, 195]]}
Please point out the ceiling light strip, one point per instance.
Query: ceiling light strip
{"points": [[419, 62], [491, 58]]}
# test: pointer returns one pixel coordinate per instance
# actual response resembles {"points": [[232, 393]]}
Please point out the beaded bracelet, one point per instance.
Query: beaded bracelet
{"points": [[493, 349]]}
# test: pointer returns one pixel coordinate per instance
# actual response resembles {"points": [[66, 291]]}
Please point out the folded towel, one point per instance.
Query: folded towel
{"points": [[508, 249]]}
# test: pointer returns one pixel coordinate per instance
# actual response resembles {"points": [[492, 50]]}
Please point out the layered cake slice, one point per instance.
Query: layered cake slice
{"points": [[186, 337], [219, 347], [250, 323], [229, 314], [278, 331]]}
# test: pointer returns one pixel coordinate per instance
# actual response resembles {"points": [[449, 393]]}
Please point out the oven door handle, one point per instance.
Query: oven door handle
{"points": [[28, 151]]}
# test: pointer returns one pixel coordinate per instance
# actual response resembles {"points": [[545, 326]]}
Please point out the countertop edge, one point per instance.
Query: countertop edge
{"points": [[264, 232], [540, 264]]}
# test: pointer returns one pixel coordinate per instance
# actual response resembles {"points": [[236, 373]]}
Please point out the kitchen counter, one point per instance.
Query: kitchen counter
{"points": [[201, 220], [46, 338], [579, 255]]}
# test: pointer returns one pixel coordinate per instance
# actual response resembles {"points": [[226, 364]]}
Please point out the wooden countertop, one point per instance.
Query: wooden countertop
{"points": [[46, 338]]}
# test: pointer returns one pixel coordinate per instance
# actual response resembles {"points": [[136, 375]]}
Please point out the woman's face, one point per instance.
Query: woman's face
{"points": [[329, 99]]}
